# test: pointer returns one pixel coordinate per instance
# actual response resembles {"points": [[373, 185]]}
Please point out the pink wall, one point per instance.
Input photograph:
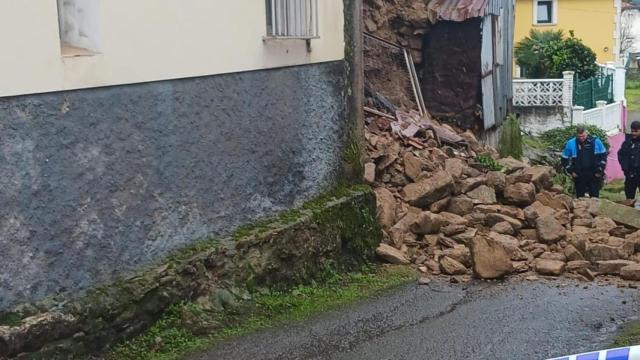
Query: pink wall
{"points": [[613, 170]]}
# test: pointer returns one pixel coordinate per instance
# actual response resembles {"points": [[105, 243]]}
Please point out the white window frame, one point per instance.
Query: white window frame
{"points": [[292, 19], [554, 13]]}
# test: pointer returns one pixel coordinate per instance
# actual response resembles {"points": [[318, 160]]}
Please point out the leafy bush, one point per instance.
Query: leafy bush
{"points": [[546, 54], [511, 139], [557, 138], [571, 54], [529, 52]]}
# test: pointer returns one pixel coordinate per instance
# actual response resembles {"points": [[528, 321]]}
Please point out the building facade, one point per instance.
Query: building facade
{"points": [[596, 22], [132, 128]]}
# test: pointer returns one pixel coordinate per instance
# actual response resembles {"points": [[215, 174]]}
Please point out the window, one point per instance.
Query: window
{"points": [[292, 19], [78, 24], [544, 12]]}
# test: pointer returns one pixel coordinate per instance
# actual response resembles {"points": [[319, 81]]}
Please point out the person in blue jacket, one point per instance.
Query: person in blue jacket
{"points": [[585, 158], [629, 158]]}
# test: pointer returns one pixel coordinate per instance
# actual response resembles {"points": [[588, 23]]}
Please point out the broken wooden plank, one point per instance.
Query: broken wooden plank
{"points": [[379, 113]]}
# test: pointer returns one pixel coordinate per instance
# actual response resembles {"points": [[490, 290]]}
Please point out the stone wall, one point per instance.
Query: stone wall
{"points": [[99, 183], [337, 232]]}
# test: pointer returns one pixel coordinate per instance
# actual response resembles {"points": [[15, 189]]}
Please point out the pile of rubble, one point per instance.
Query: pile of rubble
{"points": [[449, 215]]}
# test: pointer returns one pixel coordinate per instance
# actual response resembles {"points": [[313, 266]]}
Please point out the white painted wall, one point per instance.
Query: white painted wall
{"points": [[147, 40]]}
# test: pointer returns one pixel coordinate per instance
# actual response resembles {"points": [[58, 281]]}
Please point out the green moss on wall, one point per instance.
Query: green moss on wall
{"points": [[333, 233]]}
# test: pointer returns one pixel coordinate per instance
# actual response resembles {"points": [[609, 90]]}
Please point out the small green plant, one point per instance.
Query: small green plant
{"points": [[511, 138], [566, 181], [10, 319], [488, 162], [629, 336]]}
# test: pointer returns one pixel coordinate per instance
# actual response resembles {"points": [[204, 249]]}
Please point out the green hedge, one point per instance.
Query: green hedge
{"points": [[557, 138]]}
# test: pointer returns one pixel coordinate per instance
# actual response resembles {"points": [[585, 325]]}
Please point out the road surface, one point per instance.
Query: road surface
{"points": [[510, 321]]}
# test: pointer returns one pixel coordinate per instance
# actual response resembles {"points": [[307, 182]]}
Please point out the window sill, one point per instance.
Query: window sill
{"points": [[72, 51], [545, 24], [274, 38]]}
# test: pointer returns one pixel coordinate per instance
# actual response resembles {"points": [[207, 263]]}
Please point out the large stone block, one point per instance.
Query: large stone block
{"points": [[620, 213], [427, 191]]}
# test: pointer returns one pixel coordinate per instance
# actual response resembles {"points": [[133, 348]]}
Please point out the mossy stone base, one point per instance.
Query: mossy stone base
{"points": [[340, 233]]}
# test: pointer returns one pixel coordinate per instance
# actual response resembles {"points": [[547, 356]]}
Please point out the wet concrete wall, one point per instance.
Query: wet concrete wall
{"points": [[98, 183], [536, 120]]}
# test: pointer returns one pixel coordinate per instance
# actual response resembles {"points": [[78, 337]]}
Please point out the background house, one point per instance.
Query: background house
{"points": [[132, 128], [544, 104], [596, 22]]}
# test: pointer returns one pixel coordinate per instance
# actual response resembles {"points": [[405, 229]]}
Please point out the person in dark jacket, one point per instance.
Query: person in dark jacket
{"points": [[585, 158], [629, 159]]}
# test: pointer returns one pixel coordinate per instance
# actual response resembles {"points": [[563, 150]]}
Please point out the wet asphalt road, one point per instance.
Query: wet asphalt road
{"points": [[512, 320]]}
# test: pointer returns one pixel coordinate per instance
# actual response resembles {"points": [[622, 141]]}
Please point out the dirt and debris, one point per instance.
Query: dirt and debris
{"points": [[388, 83], [403, 22], [446, 55], [448, 215]]}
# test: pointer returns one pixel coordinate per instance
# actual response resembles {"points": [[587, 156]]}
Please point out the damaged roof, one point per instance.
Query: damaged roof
{"points": [[456, 10]]}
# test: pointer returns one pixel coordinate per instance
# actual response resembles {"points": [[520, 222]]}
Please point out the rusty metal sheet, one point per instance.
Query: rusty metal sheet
{"points": [[456, 10]]}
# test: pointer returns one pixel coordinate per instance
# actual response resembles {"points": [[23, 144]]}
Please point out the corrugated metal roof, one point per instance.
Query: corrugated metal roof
{"points": [[456, 10]]}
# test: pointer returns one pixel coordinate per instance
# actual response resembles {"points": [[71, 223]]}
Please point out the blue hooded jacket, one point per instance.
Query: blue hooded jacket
{"points": [[570, 155]]}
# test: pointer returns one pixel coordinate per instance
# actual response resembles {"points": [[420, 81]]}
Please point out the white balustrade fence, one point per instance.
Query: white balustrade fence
{"points": [[606, 117], [537, 92]]}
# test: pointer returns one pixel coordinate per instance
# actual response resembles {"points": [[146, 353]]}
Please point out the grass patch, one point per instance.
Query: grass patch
{"points": [[629, 336], [173, 337], [632, 93], [633, 99], [10, 319], [613, 191]]}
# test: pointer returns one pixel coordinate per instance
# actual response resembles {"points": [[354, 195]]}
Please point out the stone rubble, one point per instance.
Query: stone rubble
{"points": [[448, 215]]}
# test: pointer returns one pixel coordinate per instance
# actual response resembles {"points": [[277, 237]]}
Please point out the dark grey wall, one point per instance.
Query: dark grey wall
{"points": [[98, 183]]}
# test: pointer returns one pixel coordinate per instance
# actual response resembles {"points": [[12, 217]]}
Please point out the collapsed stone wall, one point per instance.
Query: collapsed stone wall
{"points": [[446, 55], [450, 215]]}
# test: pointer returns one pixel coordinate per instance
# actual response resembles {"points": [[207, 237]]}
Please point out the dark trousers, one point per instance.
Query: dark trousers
{"points": [[631, 185], [587, 182]]}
